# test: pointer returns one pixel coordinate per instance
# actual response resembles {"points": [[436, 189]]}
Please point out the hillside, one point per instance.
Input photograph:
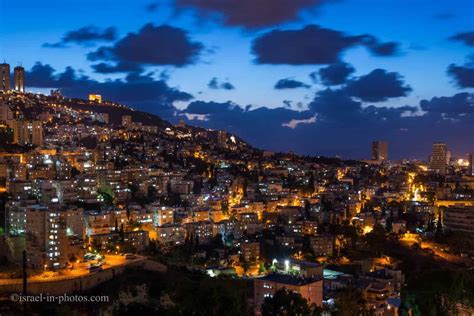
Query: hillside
{"points": [[31, 106]]}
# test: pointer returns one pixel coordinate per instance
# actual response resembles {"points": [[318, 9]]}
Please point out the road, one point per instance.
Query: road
{"points": [[79, 269], [437, 250]]}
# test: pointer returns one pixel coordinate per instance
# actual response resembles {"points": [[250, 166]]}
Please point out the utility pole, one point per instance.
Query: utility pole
{"points": [[25, 276]]}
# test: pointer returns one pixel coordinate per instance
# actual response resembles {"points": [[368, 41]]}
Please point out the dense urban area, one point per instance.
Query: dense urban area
{"points": [[97, 197]]}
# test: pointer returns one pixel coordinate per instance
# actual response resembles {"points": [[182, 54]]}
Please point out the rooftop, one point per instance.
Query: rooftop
{"points": [[289, 279]]}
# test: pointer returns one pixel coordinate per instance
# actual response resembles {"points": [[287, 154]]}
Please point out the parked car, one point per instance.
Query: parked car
{"points": [[95, 269], [130, 256]]}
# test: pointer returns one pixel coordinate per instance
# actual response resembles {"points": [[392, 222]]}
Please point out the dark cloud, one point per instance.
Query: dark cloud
{"points": [[86, 36], [380, 49], [467, 38], [45, 76], [462, 75], [335, 74], [313, 45], [142, 91], [106, 68], [41, 76], [246, 122], [227, 86], [250, 13], [287, 103], [151, 45], [288, 83], [335, 105], [215, 84], [332, 125], [377, 86], [201, 107], [455, 106], [165, 75]]}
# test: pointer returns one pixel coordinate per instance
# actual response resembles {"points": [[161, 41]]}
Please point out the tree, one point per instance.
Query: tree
{"points": [[90, 142], [351, 233], [169, 188], [217, 241], [307, 209], [309, 188], [197, 187], [245, 265], [122, 235], [151, 193], [6, 135], [376, 238], [349, 302], [127, 210], [133, 190], [439, 228], [72, 260], [430, 227], [105, 191], [74, 172], [225, 208], [285, 302], [390, 221], [244, 187]]}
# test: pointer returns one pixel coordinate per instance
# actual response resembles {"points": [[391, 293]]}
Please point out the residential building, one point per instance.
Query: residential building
{"points": [[380, 150], [471, 165], [322, 245], [4, 77], [96, 98], [459, 218], [27, 132], [19, 79], [310, 289], [250, 251], [439, 158]]}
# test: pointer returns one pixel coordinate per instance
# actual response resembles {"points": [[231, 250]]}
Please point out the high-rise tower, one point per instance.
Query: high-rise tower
{"points": [[19, 79], [4, 77], [380, 150], [439, 158], [471, 164]]}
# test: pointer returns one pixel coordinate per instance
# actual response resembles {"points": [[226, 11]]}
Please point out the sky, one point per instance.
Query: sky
{"points": [[318, 77]]}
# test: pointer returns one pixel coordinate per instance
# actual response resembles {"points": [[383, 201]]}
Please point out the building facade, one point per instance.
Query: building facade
{"points": [[459, 218], [97, 98], [4, 77], [380, 150], [27, 132], [19, 79], [322, 245], [310, 289], [471, 164], [439, 158]]}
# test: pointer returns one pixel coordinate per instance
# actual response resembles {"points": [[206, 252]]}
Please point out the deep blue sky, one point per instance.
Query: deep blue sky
{"points": [[209, 60]]}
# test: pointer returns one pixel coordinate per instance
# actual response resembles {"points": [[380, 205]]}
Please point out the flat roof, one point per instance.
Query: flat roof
{"points": [[305, 263], [289, 279]]}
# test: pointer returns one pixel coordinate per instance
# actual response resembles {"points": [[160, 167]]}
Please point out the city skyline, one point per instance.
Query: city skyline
{"points": [[96, 193], [237, 157], [316, 98]]}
